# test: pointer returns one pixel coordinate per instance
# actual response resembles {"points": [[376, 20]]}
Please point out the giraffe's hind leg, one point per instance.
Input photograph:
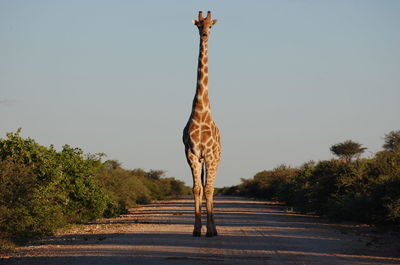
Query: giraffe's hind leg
{"points": [[211, 171], [196, 168]]}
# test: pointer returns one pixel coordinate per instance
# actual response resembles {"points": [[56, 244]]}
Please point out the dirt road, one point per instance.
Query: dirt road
{"points": [[251, 232]]}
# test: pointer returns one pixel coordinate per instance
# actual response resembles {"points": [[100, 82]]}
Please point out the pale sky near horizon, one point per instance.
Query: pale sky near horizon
{"points": [[287, 78]]}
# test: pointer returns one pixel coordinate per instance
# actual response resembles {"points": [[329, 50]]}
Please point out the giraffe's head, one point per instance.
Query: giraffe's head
{"points": [[204, 25]]}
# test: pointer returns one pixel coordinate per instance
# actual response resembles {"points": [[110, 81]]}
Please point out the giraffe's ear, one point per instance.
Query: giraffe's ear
{"points": [[194, 21], [214, 22]]}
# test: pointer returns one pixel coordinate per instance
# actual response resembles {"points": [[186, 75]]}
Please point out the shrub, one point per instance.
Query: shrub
{"points": [[364, 190], [27, 209], [85, 200], [124, 187], [132, 187], [42, 189]]}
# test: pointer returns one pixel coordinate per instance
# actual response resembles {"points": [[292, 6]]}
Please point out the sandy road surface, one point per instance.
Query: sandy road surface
{"points": [[251, 232]]}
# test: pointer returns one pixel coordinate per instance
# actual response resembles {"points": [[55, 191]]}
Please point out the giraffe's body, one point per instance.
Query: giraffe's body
{"points": [[201, 136]]}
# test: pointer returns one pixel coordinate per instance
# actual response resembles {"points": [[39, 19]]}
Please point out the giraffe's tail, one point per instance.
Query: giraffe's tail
{"points": [[203, 174]]}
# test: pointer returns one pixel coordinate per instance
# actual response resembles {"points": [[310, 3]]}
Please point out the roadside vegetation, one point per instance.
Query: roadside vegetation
{"points": [[348, 188], [42, 189]]}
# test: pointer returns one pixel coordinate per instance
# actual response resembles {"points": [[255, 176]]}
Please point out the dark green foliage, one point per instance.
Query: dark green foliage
{"points": [[267, 184], [42, 190], [85, 200], [27, 208], [232, 191], [126, 188], [347, 150], [392, 141], [132, 187], [364, 190], [30, 180], [155, 174]]}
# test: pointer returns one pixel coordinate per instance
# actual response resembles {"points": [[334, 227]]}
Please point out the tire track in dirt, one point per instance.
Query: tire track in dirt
{"points": [[250, 232]]}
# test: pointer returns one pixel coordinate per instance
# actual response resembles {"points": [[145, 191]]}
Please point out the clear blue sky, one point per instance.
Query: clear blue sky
{"points": [[287, 78]]}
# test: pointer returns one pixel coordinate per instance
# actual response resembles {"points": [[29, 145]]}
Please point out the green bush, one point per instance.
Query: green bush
{"points": [[232, 191], [85, 200], [42, 190], [124, 187], [29, 187], [132, 187], [27, 208], [364, 190]]}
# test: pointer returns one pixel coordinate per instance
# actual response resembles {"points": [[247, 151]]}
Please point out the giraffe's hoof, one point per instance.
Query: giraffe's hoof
{"points": [[196, 233], [211, 234]]}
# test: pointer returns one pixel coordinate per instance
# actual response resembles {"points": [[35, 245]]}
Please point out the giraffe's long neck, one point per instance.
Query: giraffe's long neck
{"points": [[201, 102]]}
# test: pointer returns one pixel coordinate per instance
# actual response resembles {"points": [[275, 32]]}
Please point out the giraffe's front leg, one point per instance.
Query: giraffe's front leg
{"points": [[209, 194], [196, 167], [198, 198]]}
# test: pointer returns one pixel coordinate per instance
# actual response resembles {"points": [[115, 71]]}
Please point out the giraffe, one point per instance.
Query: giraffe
{"points": [[201, 136]]}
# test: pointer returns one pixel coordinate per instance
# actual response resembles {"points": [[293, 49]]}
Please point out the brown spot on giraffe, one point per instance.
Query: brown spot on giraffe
{"points": [[194, 126], [199, 107], [203, 117], [205, 135], [202, 142], [208, 120], [205, 80], [194, 135], [205, 128], [196, 116]]}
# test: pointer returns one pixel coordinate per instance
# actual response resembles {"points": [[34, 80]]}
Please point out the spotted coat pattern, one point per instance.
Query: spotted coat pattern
{"points": [[201, 136]]}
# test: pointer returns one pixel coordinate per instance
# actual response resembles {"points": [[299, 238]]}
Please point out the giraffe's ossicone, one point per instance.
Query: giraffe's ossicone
{"points": [[201, 135]]}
